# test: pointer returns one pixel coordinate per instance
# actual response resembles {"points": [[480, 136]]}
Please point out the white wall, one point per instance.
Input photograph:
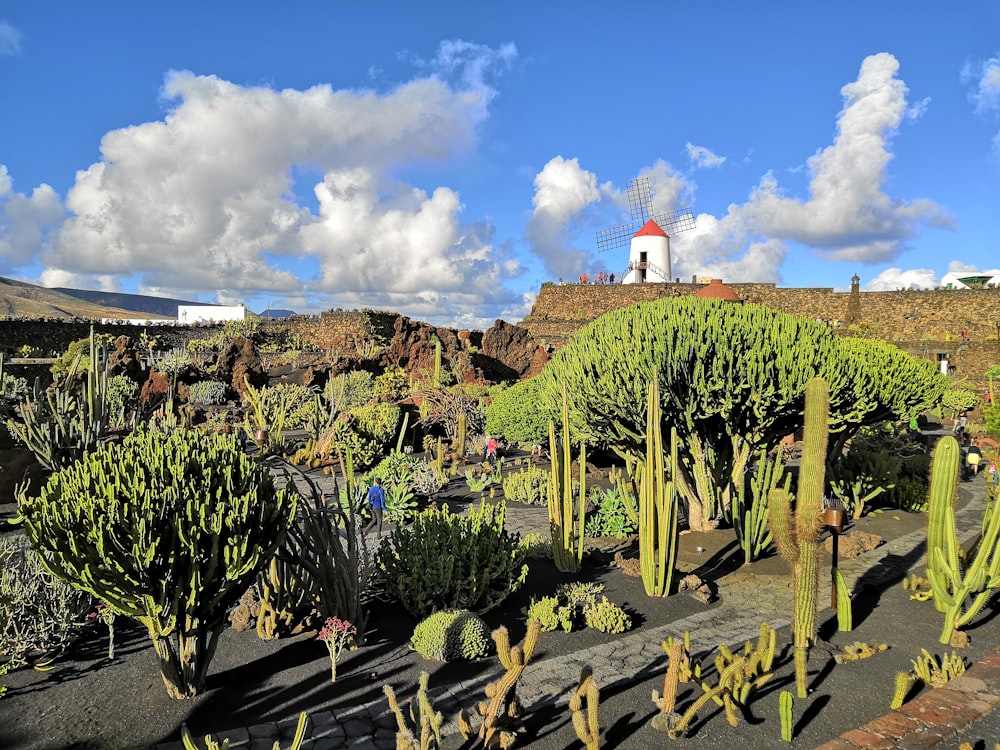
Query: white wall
{"points": [[189, 314]]}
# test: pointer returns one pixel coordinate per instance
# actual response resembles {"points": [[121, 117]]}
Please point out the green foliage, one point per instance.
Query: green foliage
{"points": [[167, 529], [567, 528], [174, 361], [959, 399], [122, 398], [864, 472], [732, 381], [611, 517], [208, 393], [348, 391], [12, 391], [992, 419], [751, 520], [606, 616], [392, 385], [909, 494], [451, 634], [514, 416], [536, 546], [77, 356], [39, 614], [444, 561], [377, 422], [551, 613], [530, 486]]}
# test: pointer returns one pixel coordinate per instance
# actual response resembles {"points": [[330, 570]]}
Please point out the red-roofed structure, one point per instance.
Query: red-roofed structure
{"points": [[650, 229], [717, 290]]}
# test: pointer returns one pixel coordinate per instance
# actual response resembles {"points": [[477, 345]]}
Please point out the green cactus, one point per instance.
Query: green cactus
{"points": [[900, 689], [211, 744], [797, 536], [750, 520], [962, 583], [785, 710], [460, 435], [657, 504], [167, 529], [845, 614], [567, 534], [586, 722], [937, 673]]}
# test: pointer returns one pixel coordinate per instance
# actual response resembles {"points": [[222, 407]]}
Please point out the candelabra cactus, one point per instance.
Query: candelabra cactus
{"points": [[962, 583], [167, 529], [566, 533], [797, 535]]}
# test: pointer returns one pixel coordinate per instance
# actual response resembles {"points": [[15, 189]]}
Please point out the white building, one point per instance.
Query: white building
{"points": [[191, 314], [966, 280], [649, 256]]}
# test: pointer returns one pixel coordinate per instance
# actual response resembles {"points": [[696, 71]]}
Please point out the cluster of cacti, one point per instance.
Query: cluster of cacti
{"points": [[567, 528], [287, 600], [425, 720], [551, 613], [212, 744], [585, 706], [451, 634], [797, 535], [935, 672], [530, 486], [501, 711], [104, 524], [61, 424], [606, 616], [268, 409], [446, 561], [739, 675], [731, 379], [751, 519], [859, 651], [862, 475], [963, 581], [657, 504]]}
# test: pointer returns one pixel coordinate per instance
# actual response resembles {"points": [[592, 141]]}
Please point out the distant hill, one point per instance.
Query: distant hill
{"points": [[151, 306], [19, 299]]}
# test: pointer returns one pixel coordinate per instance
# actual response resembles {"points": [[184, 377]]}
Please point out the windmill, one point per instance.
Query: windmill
{"points": [[648, 234]]}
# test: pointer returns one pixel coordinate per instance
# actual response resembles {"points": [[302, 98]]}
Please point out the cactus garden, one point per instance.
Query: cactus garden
{"points": [[705, 524]]}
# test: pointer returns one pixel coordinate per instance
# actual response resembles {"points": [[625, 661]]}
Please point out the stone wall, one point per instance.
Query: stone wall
{"points": [[53, 336]]}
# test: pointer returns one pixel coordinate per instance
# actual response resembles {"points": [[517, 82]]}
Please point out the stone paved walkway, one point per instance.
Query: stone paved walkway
{"points": [[922, 723]]}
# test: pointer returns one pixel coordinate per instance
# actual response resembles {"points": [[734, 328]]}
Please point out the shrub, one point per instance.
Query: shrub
{"points": [[444, 561], [551, 613], [349, 390], [529, 486], [909, 494], [174, 361], [208, 393], [606, 616], [514, 414], [122, 397], [167, 529], [537, 547], [39, 614], [392, 384], [451, 634]]}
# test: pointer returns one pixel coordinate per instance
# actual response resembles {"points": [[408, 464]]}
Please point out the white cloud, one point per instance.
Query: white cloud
{"points": [[985, 76], [25, 221], [202, 202], [892, 279], [701, 157], [10, 40]]}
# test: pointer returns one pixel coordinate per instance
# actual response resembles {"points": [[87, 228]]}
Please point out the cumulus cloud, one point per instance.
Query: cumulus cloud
{"points": [[10, 40], [892, 279], [701, 157], [204, 201], [563, 193], [985, 78], [25, 220]]}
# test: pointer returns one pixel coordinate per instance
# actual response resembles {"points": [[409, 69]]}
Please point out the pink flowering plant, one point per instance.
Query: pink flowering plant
{"points": [[103, 613], [337, 634]]}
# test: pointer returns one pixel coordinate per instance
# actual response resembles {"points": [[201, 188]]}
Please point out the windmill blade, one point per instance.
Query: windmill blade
{"points": [[639, 199], [672, 222], [609, 239]]}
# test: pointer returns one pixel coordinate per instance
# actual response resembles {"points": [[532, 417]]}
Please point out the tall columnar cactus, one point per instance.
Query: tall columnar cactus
{"points": [[584, 705], [567, 534], [437, 362], [962, 584], [797, 535], [460, 435], [750, 519], [167, 529], [657, 505]]}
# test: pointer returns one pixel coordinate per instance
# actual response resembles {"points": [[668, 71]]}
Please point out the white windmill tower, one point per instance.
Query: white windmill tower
{"points": [[649, 253]]}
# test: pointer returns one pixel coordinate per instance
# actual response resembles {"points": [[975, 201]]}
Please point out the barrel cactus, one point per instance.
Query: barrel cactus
{"points": [[167, 529]]}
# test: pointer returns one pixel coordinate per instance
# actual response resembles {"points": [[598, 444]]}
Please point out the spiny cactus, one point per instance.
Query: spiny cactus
{"points": [[785, 710], [935, 672], [902, 686], [500, 712], [212, 744], [167, 529], [962, 583], [424, 718], [845, 614], [586, 722], [858, 651], [750, 520], [797, 536], [567, 533], [667, 702]]}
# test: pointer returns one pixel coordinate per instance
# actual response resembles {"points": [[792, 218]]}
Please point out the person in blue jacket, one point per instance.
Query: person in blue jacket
{"points": [[376, 501]]}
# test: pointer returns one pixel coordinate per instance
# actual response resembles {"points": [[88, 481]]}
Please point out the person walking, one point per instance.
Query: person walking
{"points": [[491, 449], [376, 501]]}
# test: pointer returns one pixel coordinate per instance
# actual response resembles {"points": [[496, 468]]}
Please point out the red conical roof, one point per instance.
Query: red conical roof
{"points": [[718, 290], [650, 229]]}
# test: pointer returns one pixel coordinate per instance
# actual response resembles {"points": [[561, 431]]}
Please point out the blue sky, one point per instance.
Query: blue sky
{"points": [[444, 159]]}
